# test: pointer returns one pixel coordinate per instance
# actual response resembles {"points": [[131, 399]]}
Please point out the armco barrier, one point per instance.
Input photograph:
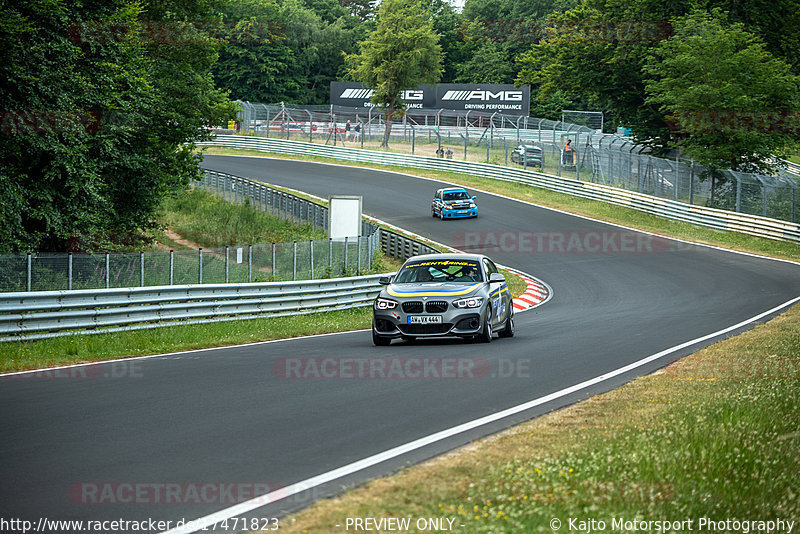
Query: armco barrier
{"points": [[401, 247], [701, 216], [393, 244], [42, 314]]}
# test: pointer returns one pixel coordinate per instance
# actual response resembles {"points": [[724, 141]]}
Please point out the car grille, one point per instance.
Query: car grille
{"points": [[413, 306], [436, 306], [425, 329]]}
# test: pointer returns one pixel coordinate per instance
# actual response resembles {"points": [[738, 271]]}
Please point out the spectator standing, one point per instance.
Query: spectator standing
{"points": [[569, 153]]}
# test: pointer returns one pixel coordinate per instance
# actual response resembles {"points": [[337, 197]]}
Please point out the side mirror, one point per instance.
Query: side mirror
{"points": [[496, 277], [474, 197], [385, 280]]}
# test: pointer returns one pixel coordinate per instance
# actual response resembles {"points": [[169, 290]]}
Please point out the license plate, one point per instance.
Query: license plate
{"points": [[424, 319], [462, 212]]}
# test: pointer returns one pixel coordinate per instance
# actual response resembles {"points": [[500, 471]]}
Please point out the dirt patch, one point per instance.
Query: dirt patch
{"points": [[181, 240]]}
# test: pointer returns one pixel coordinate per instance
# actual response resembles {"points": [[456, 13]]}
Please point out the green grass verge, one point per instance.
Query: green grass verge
{"points": [[579, 206], [210, 221], [714, 435], [21, 355]]}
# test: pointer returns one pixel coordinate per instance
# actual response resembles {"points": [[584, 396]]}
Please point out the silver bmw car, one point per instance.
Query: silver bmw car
{"points": [[439, 295]]}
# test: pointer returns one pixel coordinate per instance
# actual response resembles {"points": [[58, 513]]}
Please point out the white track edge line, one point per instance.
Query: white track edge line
{"points": [[375, 459], [178, 353]]}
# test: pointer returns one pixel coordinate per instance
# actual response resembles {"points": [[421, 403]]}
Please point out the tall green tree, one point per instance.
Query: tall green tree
{"points": [[595, 53], [402, 53], [597, 50], [283, 51], [730, 103], [102, 105], [447, 22], [255, 61], [496, 33]]}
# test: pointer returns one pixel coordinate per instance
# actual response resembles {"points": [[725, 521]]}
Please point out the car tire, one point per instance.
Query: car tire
{"points": [[433, 214], [486, 333], [380, 341], [508, 328]]}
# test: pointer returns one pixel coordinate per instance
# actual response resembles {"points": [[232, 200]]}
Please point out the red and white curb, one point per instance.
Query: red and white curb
{"points": [[536, 294]]}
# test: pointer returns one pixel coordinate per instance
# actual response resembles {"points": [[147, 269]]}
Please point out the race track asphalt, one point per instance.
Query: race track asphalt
{"points": [[243, 419]]}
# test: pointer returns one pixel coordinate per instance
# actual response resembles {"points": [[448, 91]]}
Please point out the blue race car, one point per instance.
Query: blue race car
{"points": [[453, 203]]}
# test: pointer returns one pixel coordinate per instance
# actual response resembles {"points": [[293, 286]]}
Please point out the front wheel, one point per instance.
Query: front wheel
{"points": [[486, 333], [380, 341], [508, 328]]}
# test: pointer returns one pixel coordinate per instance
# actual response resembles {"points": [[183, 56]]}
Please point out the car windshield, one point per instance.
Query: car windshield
{"points": [[440, 271], [456, 195]]}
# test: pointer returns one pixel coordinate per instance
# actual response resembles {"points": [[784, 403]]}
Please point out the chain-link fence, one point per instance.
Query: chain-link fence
{"points": [[300, 260], [592, 156]]}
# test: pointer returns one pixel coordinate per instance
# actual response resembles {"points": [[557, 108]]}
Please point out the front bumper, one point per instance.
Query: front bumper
{"points": [[455, 322], [451, 213]]}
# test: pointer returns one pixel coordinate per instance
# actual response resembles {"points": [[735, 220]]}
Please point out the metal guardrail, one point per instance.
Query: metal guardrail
{"points": [[401, 247], [702, 216], [234, 188], [29, 315], [43, 314], [793, 168], [490, 137]]}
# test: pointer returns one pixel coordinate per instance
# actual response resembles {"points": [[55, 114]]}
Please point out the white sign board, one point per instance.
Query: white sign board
{"points": [[344, 216]]}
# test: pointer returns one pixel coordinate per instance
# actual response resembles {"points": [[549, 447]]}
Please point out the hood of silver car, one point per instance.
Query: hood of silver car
{"points": [[434, 289]]}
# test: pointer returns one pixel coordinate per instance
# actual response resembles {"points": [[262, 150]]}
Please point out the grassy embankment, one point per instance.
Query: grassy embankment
{"points": [[209, 221]]}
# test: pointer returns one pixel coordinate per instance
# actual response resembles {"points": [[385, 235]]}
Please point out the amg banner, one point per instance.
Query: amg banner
{"points": [[504, 98]]}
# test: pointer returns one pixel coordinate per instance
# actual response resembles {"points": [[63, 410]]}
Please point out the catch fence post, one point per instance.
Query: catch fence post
{"points": [[345, 255]]}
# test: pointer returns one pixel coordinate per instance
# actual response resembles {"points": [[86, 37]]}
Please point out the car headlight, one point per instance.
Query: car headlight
{"points": [[472, 302], [385, 304]]}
